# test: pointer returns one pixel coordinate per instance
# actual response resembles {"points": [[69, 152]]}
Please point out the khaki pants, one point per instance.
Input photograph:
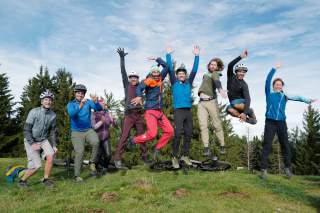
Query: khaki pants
{"points": [[78, 140], [206, 109]]}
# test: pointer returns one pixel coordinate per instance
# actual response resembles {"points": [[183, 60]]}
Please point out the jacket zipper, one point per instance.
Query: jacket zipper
{"points": [[279, 107]]}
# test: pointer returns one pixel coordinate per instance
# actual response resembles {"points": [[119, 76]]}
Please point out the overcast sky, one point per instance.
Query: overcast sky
{"points": [[82, 36]]}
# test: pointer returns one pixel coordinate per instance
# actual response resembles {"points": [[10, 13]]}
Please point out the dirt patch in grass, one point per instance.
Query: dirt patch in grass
{"points": [[109, 197], [143, 184], [179, 193], [97, 211], [234, 194]]}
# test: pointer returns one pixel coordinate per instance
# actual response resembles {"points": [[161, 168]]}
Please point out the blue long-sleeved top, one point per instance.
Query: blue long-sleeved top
{"points": [[153, 95], [182, 90], [81, 118], [276, 101]]}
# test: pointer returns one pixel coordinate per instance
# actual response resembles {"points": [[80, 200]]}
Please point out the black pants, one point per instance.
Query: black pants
{"points": [[271, 128], [104, 154], [183, 125]]}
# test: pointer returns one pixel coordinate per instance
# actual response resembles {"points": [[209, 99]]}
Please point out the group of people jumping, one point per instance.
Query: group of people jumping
{"points": [[90, 119]]}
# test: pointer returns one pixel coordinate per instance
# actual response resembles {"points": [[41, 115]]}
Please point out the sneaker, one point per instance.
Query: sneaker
{"points": [[78, 179], [131, 144], [22, 184], [93, 169], [47, 182], [175, 163], [206, 152], [264, 174], [288, 172], [186, 160], [252, 121], [222, 150], [156, 154], [118, 164]]}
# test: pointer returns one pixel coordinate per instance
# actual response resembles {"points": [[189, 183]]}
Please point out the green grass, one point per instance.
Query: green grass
{"points": [[140, 190]]}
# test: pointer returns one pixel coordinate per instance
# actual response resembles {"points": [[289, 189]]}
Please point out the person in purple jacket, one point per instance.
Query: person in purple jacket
{"points": [[101, 121]]}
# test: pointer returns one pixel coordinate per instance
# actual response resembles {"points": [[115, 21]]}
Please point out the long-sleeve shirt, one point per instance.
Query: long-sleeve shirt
{"points": [[81, 118], [153, 91], [102, 128], [182, 97], [40, 125], [237, 89], [276, 101], [129, 89]]}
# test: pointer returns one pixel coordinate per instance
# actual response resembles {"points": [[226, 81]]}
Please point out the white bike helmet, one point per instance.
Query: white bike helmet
{"points": [[241, 67], [46, 94], [133, 74]]}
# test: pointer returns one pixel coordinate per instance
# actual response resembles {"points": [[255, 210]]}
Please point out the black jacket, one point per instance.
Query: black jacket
{"points": [[237, 89]]}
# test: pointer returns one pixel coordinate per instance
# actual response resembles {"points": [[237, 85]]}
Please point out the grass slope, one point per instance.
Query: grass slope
{"points": [[140, 190]]}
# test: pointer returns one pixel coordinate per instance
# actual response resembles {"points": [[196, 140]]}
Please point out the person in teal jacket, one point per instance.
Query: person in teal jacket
{"points": [[276, 121], [182, 103], [79, 111]]}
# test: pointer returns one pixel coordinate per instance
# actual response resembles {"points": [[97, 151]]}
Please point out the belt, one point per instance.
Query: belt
{"points": [[206, 99]]}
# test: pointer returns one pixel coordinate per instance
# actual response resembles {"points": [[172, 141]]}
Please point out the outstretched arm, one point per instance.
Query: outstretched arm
{"points": [[196, 52], [299, 98], [122, 54]]}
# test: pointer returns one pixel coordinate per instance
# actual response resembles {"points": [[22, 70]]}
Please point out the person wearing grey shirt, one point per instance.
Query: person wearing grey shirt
{"points": [[39, 129]]}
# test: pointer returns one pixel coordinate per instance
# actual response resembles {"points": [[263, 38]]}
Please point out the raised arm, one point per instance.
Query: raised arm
{"points": [[170, 65], [94, 103], [196, 52], [244, 54], [268, 85], [122, 55], [165, 67]]}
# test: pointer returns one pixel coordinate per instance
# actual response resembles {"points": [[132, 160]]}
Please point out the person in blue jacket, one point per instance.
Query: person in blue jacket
{"points": [[79, 111], [182, 103], [276, 121]]}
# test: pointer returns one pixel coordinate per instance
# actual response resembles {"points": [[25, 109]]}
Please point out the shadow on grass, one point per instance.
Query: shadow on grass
{"points": [[293, 192]]}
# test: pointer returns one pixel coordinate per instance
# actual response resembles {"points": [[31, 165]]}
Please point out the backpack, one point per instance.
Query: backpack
{"points": [[13, 172]]}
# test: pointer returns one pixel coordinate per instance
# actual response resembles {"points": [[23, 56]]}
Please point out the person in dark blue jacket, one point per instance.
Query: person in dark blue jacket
{"points": [[154, 116], [79, 111], [276, 121], [182, 103]]}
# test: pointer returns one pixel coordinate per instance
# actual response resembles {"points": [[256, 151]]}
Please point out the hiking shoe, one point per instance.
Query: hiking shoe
{"points": [[252, 121], [206, 152], [288, 172], [186, 160], [78, 179], [118, 164], [93, 169], [175, 163], [222, 150], [156, 154], [131, 144], [264, 174], [22, 184], [47, 182]]}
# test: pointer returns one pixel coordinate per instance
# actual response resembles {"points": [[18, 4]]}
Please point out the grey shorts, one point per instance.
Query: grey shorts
{"points": [[34, 158]]}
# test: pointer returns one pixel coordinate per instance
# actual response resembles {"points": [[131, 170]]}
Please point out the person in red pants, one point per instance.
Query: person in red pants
{"points": [[154, 116], [133, 117]]}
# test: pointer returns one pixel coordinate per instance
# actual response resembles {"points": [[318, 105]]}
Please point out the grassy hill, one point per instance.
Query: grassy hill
{"points": [[140, 190]]}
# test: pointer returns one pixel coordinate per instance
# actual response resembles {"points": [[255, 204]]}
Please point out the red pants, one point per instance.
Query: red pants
{"points": [[155, 118]]}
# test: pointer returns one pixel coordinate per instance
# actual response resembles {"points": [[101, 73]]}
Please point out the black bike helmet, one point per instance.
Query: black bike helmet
{"points": [[182, 68], [80, 88]]}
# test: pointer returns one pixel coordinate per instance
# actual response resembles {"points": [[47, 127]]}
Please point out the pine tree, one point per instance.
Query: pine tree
{"points": [[63, 89], [307, 159], [8, 130]]}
